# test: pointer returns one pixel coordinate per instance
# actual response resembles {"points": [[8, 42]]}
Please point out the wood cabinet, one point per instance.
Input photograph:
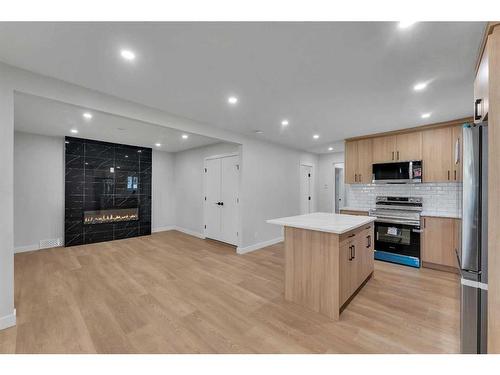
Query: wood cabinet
{"points": [[437, 155], [457, 152], [439, 146], [481, 89], [409, 146], [439, 240], [356, 261], [358, 162], [384, 149], [353, 212], [400, 147]]}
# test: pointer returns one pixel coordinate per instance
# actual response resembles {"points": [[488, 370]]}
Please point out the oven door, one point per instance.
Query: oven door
{"points": [[401, 239]]}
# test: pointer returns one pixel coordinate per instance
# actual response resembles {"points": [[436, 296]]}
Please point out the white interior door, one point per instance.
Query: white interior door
{"points": [[222, 200], [230, 199], [305, 189], [213, 212]]}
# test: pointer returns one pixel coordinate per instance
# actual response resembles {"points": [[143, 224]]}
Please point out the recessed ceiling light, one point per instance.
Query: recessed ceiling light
{"points": [[259, 132], [185, 136], [426, 115], [420, 86], [284, 122], [87, 115], [316, 136], [158, 144], [232, 100], [330, 148], [406, 24], [74, 131], [127, 54]]}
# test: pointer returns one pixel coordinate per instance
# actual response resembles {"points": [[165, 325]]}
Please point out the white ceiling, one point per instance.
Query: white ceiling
{"points": [[336, 79], [33, 114]]}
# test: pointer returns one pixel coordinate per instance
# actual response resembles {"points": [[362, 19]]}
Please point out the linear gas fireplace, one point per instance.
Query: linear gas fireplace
{"points": [[110, 216], [108, 191]]}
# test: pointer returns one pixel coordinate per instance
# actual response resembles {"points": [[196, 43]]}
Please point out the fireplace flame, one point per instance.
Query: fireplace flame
{"points": [[98, 218]]}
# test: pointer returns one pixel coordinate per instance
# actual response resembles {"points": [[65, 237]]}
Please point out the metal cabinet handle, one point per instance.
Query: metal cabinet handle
{"points": [[477, 115], [350, 253], [393, 155], [455, 173], [351, 235], [398, 155], [448, 174], [369, 242], [354, 251], [359, 178]]}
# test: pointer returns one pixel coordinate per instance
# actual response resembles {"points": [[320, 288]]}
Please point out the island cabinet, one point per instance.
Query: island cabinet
{"points": [[356, 262], [328, 258]]}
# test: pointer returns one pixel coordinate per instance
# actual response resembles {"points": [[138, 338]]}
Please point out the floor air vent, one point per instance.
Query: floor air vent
{"points": [[54, 242]]}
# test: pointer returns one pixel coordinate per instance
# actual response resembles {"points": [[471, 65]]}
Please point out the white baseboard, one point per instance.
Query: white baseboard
{"points": [[23, 249], [257, 246], [163, 229], [8, 320], [190, 232]]}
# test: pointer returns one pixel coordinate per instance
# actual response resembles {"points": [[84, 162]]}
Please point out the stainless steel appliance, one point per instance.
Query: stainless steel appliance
{"points": [[397, 229], [400, 172], [473, 254]]}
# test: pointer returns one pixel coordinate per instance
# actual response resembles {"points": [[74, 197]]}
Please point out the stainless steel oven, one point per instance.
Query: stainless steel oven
{"points": [[397, 230], [401, 172]]}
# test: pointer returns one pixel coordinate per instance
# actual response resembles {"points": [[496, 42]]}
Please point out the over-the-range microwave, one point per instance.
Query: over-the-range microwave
{"points": [[399, 172]]}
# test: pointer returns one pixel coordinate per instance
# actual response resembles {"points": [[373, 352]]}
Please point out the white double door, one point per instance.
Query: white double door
{"points": [[221, 199], [306, 188]]}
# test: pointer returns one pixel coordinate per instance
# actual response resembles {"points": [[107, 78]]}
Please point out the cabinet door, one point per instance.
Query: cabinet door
{"points": [[345, 271], [366, 249], [456, 153], [351, 162], [481, 89], [409, 146], [437, 163], [438, 241], [384, 149], [364, 169]]}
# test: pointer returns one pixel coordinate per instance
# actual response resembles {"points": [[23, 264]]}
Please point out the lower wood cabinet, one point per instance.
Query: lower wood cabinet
{"points": [[440, 238], [354, 212], [356, 261]]}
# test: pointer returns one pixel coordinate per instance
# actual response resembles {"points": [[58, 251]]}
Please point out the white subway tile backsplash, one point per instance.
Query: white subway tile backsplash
{"points": [[438, 198]]}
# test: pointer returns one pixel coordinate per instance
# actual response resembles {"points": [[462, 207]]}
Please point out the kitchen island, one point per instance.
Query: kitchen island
{"points": [[328, 259]]}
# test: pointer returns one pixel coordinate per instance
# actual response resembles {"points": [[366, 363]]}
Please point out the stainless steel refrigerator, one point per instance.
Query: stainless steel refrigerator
{"points": [[473, 254]]}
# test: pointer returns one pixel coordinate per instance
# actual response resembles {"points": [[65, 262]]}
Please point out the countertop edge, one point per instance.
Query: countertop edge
{"points": [[368, 220]]}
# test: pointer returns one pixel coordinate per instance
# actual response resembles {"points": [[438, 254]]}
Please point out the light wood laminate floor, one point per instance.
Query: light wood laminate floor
{"points": [[173, 293]]}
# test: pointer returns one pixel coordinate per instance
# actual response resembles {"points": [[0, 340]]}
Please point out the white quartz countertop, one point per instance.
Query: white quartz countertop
{"points": [[355, 209], [324, 222], [453, 215]]}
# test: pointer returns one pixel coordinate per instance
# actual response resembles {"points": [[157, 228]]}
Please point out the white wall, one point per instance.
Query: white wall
{"points": [[163, 191], [270, 189], [326, 180], [38, 190], [7, 312], [189, 184]]}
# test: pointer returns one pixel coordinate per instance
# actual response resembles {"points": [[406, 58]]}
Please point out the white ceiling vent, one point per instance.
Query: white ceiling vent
{"points": [[54, 242]]}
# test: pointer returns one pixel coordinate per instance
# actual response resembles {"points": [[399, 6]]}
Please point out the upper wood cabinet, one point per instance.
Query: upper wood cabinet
{"points": [[384, 149], [442, 154], [405, 146], [409, 146], [358, 162], [481, 90], [457, 152]]}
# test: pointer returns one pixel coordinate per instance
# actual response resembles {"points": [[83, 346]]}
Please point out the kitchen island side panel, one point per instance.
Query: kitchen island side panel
{"points": [[312, 270]]}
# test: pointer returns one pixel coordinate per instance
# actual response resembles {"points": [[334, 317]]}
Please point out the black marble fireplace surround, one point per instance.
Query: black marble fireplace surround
{"points": [[111, 183]]}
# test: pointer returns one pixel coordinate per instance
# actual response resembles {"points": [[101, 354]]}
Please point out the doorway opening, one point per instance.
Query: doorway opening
{"points": [[338, 187]]}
